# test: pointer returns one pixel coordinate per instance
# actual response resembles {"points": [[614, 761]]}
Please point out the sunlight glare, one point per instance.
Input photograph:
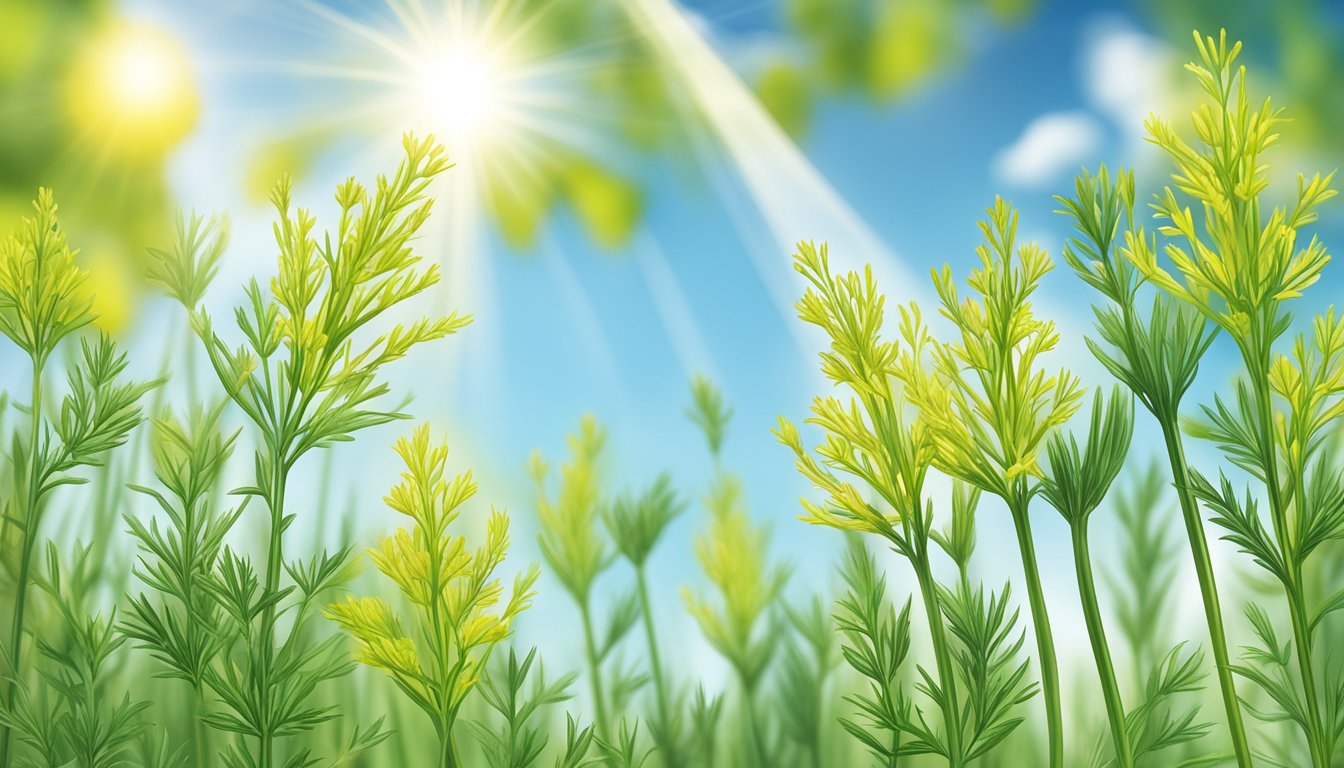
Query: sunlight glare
{"points": [[458, 89], [132, 89]]}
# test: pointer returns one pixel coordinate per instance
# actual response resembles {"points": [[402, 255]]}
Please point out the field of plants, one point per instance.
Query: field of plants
{"points": [[157, 613]]}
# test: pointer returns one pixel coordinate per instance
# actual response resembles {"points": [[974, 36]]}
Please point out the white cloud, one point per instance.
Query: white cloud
{"points": [[1126, 75], [1051, 145]]}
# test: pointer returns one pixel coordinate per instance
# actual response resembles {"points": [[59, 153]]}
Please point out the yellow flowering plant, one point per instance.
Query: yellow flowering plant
{"points": [[461, 611], [876, 442], [306, 377], [990, 406], [1237, 264], [43, 302]]}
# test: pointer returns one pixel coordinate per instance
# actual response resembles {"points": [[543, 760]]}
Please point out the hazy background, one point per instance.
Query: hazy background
{"points": [[631, 178]]}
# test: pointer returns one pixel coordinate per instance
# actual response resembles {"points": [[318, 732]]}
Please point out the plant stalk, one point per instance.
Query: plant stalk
{"points": [[670, 756], [942, 658], [1101, 650], [274, 560], [1045, 642], [30, 522], [1316, 741], [594, 667], [1208, 587]]}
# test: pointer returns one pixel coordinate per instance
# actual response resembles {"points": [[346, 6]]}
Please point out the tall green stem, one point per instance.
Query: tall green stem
{"points": [[942, 657], [670, 757], [760, 752], [1045, 641], [1208, 587], [1101, 650], [1316, 742], [447, 752], [274, 560], [28, 534], [594, 667]]}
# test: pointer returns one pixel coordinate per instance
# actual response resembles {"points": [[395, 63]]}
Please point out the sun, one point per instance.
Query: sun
{"points": [[458, 91], [131, 90]]}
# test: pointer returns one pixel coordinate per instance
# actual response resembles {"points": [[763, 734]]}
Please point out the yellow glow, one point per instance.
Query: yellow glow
{"points": [[130, 90], [458, 89]]}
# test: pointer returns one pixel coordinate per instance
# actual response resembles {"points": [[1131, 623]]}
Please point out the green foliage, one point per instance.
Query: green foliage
{"points": [[569, 540], [733, 553], [809, 658], [877, 640], [709, 412], [40, 305], [1141, 591], [305, 384], [989, 406], [1239, 268], [519, 742], [76, 717], [1077, 480], [978, 680], [635, 523]]}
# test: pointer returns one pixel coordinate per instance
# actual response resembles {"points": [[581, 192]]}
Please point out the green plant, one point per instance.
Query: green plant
{"points": [[181, 627], [304, 383], [989, 407], [75, 717], [1157, 358], [451, 587], [1075, 485], [41, 303], [518, 743], [733, 552], [873, 440], [1238, 269], [635, 524], [877, 642], [1141, 591], [577, 554], [805, 669]]}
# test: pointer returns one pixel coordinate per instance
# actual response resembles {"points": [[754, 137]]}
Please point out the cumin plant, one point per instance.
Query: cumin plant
{"points": [[1075, 485], [733, 552], [577, 554], [635, 523], [74, 716], [452, 588], [989, 407], [181, 627], [303, 381], [1238, 269], [1141, 590], [1155, 357], [977, 681], [805, 669], [519, 742], [41, 303]]}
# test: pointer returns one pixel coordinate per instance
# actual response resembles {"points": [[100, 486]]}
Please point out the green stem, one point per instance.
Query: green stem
{"points": [[757, 738], [1319, 747], [594, 668], [1208, 588], [1045, 642], [1101, 650], [447, 753], [199, 735], [1316, 740], [29, 535], [942, 657], [274, 560], [669, 749]]}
